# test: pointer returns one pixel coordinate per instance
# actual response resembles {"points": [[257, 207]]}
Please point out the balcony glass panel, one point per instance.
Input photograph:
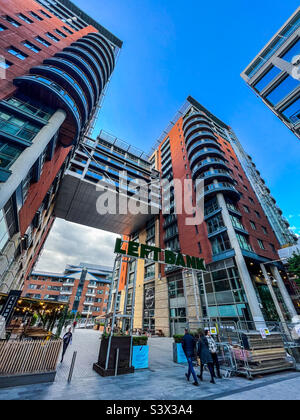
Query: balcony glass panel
{"points": [[282, 90], [267, 78], [292, 113]]}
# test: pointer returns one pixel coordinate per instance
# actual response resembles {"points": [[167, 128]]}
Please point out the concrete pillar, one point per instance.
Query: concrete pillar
{"points": [[273, 294], [253, 302], [30, 155], [285, 295]]}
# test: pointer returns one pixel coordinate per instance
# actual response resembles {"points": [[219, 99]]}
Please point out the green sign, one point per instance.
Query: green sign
{"points": [[146, 252]]}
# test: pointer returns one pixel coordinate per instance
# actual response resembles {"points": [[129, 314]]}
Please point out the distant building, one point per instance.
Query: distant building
{"points": [[85, 287], [274, 74]]}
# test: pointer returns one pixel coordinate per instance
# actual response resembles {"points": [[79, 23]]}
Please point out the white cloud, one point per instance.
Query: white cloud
{"points": [[69, 243]]}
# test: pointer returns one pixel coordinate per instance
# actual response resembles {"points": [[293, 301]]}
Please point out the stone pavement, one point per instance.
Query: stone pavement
{"points": [[164, 380]]}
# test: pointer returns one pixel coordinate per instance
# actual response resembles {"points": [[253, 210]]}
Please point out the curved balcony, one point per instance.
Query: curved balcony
{"points": [[77, 74], [52, 94], [207, 164], [85, 67], [201, 144], [91, 61], [198, 116], [202, 153], [194, 128], [221, 187], [103, 42], [218, 174], [101, 51], [93, 52], [199, 135], [70, 85]]}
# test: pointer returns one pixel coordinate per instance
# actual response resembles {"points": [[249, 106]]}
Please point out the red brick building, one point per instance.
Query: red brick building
{"points": [[55, 63], [84, 287]]}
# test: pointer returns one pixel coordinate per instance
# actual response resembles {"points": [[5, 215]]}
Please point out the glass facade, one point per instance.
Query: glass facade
{"points": [[224, 294], [17, 127], [9, 153], [4, 234], [267, 78], [282, 90]]}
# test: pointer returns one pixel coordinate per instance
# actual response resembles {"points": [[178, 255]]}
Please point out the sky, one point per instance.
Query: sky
{"points": [[173, 49]]}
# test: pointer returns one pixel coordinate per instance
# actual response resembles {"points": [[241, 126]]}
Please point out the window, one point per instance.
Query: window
{"points": [[251, 200], [12, 21], [9, 153], [2, 27], [199, 248], [244, 242], [60, 33], [264, 230], [149, 271], [25, 18], [45, 14], [273, 248], [4, 235], [267, 78], [4, 64], [215, 223], [42, 41], [253, 225], [282, 90], [236, 222], [68, 30], [17, 127], [292, 112], [261, 244], [245, 187], [37, 17], [51, 36], [220, 243], [257, 214], [31, 46], [17, 53], [246, 208]]}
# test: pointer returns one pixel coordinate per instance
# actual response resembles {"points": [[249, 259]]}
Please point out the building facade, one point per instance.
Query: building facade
{"points": [[274, 74], [237, 240], [55, 65], [84, 287]]}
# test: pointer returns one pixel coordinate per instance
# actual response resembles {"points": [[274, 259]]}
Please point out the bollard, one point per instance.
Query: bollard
{"points": [[117, 363], [72, 366]]}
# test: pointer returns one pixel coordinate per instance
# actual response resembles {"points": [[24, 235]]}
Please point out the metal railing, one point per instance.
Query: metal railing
{"points": [[28, 357]]}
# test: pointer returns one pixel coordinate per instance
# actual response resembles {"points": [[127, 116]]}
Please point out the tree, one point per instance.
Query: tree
{"points": [[294, 266]]}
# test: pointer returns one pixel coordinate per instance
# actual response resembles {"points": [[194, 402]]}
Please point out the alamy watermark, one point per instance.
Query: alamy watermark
{"points": [[137, 196]]}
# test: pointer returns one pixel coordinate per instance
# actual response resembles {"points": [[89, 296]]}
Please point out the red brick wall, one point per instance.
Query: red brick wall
{"points": [[14, 36], [38, 190]]}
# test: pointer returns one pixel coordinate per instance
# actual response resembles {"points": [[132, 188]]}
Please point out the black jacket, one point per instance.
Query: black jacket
{"points": [[203, 351], [188, 345]]}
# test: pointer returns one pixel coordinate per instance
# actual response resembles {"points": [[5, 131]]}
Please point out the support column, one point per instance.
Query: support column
{"points": [[253, 302], [285, 295]]}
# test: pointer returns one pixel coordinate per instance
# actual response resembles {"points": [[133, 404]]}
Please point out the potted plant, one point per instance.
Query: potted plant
{"points": [[119, 360], [178, 353], [140, 352]]}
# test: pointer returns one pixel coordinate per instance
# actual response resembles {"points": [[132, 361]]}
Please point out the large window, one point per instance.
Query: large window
{"points": [[17, 53], [4, 235], [30, 106], [292, 52], [9, 153], [220, 243], [282, 90], [17, 127], [215, 223], [292, 112], [267, 78], [149, 271], [237, 223], [175, 286], [244, 242]]}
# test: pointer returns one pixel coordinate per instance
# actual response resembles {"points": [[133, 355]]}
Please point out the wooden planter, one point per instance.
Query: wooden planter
{"points": [[121, 343]]}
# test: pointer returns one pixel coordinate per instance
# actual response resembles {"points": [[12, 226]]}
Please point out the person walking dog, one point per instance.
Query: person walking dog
{"points": [[205, 357], [67, 340], [213, 351], [189, 346]]}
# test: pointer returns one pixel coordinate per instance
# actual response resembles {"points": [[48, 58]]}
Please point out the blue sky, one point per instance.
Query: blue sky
{"points": [[173, 49]]}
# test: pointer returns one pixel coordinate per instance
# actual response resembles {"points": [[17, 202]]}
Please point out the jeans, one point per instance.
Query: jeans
{"points": [[191, 368], [216, 364]]}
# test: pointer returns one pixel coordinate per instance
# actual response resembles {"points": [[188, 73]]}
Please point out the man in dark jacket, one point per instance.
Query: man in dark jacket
{"points": [[189, 345]]}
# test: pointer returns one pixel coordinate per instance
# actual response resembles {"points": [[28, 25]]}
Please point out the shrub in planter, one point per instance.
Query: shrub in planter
{"points": [[140, 352]]}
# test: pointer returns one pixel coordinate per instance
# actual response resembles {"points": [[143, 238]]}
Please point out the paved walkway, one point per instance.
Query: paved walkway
{"points": [[164, 380]]}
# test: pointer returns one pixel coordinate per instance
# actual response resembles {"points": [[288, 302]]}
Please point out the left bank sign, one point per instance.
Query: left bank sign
{"points": [[162, 256]]}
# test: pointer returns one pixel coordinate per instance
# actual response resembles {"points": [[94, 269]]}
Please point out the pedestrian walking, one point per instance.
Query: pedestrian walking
{"points": [[205, 357], [213, 351], [189, 346], [67, 340]]}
